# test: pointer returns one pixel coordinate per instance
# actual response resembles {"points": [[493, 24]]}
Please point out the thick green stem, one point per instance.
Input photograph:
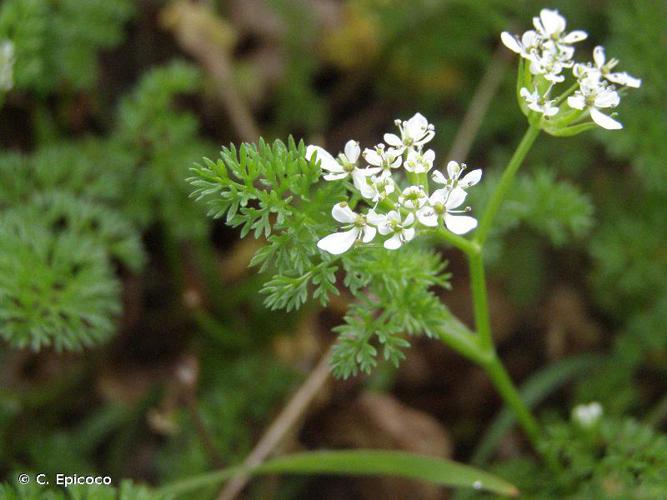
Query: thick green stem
{"points": [[503, 383], [505, 182], [457, 336], [480, 301]]}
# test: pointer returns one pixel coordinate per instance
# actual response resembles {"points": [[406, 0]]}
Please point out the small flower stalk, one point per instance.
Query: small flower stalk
{"points": [[397, 206], [561, 96]]}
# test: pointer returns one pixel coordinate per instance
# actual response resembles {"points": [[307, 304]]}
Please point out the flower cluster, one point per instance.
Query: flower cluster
{"points": [[546, 52], [587, 416], [395, 208], [6, 65]]}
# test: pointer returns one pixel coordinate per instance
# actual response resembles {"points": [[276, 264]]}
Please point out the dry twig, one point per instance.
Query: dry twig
{"points": [[282, 425]]}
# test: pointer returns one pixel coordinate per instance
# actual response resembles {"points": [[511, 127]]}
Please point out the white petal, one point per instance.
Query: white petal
{"points": [[472, 177], [511, 42], [416, 126], [369, 234], [552, 21], [409, 233], [566, 53], [554, 77], [529, 40], [605, 121], [453, 169], [456, 198], [460, 224], [550, 111], [575, 36], [598, 56], [624, 79], [429, 157], [372, 157], [385, 228], [365, 187], [374, 218], [576, 101], [361, 173], [410, 219], [393, 140], [327, 162], [439, 196], [535, 107], [427, 138], [427, 216], [352, 151], [438, 177], [607, 99], [338, 243], [393, 243], [335, 177], [393, 215], [343, 213]]}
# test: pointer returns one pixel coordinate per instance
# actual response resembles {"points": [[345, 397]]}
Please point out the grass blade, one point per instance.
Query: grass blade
{"points": [[360, 463]]}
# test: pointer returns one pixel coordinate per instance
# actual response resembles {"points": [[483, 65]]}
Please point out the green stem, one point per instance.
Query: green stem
{"points": [[566, 94], [480, 301], [457, 336], [466, 246], [503, 383], [505, 183], [483, 351]]}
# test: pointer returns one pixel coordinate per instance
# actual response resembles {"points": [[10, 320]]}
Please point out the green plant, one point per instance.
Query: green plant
{"points": [[273, 192]]}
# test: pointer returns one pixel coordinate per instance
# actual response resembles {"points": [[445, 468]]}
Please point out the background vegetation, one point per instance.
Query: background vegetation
{"points": [[135, 340]]}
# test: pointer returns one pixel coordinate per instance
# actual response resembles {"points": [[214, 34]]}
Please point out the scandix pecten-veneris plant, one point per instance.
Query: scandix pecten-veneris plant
{"points": [[376, 212]]}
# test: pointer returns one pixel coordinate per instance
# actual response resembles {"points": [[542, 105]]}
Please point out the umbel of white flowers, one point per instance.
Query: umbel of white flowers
{"points": [[391, 205], [547, 51]]}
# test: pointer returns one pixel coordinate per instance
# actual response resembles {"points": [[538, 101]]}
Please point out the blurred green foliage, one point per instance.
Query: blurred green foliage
{"points": [[619, 458]]}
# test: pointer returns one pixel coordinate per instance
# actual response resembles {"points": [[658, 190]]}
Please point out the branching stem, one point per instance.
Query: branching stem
{"points": [[484, 351]]}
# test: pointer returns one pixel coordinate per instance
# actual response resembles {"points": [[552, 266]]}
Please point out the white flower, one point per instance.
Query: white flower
{"points": [[594, 96], [357, 229], [454, 182], [548, 48], [550, 25], [529, 42], [6, 65], [381, 157], [376, 187], [346, 165], [415, 132], [413, 197], [401, 230], [443, 203], [550, 63], [418, 162], [605, 70], [539, 103], [587, 415]]}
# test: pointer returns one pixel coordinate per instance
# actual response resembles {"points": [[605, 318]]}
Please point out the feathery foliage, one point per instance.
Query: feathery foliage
{"points": [[57, 42], [618, 458], [56, 288]]}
